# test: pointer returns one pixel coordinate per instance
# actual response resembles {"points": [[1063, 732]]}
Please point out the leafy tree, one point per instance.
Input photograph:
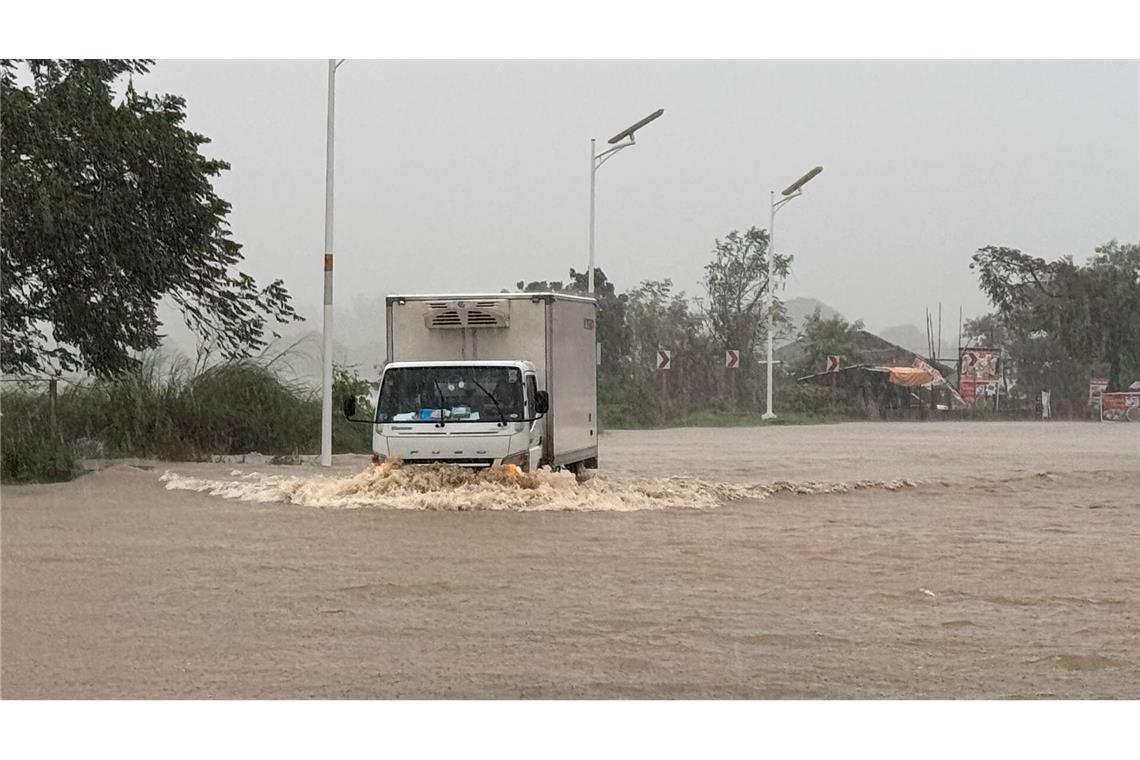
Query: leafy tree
{"points": [[736, 287], [986, 330], [822, 337], [108, 207], [1092, 310], [1032, 360], [611, 307], [658, 317], [632, 325]]}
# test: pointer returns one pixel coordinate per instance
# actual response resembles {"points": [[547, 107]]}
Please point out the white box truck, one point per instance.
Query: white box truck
{"points": [[487, 379]]}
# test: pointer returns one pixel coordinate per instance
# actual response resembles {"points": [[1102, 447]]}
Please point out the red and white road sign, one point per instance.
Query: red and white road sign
{"points": [[664, 358], [732, 359], [832, 364]]}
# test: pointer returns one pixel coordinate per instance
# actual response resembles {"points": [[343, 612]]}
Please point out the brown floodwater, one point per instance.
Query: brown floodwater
{"points": [[864, 560]]}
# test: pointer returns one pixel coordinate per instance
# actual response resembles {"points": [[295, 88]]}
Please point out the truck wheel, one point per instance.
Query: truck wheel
{"points": [[581, 473]]}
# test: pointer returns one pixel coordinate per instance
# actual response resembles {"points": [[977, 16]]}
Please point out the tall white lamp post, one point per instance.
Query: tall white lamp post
{"points": [[596, 161], [794, 190]]}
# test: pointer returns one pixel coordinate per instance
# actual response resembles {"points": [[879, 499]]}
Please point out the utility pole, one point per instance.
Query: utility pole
{"points": [[938, 355]]}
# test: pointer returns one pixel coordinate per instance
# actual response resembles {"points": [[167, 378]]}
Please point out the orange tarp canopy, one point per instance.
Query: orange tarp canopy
{"points": [[910, 376]]}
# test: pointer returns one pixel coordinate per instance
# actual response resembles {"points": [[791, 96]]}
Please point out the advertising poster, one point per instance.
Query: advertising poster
{"points": [[1097, 387], [1120, 407], [978, 375]]}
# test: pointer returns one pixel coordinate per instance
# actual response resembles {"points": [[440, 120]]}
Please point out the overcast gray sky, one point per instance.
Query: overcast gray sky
{"points": [[472, 175]]}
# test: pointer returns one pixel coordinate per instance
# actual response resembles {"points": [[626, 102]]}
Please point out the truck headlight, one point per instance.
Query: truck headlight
{"points": [[520, 460]]}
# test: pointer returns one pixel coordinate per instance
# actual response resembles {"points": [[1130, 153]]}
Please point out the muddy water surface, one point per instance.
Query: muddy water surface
{"points": [[865, 560]]}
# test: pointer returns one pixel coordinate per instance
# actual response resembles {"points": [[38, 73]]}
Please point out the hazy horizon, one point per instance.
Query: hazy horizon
{"points": [[472, 175]]}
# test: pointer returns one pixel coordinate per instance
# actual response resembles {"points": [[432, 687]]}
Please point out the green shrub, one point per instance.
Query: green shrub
{"points": [[29, 451], [167, 410], [807, 398], [170, 412], [625, 403]]}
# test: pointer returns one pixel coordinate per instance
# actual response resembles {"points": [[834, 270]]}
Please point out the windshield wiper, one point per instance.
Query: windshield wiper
{"points": [[499, 409], [440, 392]]}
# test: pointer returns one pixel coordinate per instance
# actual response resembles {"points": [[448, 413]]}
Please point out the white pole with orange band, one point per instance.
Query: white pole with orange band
{"points": [[327, 331]]}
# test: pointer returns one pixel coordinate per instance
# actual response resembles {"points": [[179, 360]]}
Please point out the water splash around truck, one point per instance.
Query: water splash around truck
{"points": [[443, 487]]}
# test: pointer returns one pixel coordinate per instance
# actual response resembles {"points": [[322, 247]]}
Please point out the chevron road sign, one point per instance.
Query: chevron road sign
{"points": [[732, 359], [664, 358]]}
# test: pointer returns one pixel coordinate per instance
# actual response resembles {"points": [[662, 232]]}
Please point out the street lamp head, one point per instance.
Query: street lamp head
{"points": [[799, 183], [628, 131]]}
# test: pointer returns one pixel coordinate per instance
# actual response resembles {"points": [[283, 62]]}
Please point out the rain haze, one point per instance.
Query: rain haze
{"points": [[472, 175], [557, 497]]}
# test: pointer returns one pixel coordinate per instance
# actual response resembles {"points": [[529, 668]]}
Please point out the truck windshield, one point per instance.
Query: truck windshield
{"points": [[451, 394]]}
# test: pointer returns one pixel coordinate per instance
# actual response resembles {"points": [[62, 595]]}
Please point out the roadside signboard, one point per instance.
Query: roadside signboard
{"points": [[1097, 387], [664, 358], [978, 375], [732, 359], [1120, 407], [832, 364]]}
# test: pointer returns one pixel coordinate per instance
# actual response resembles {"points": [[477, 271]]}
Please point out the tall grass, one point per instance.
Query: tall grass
{"points": [[171, 410], [29, 450]]}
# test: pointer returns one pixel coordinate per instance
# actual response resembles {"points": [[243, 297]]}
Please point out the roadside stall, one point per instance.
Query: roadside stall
{"points": [[889, 391]]}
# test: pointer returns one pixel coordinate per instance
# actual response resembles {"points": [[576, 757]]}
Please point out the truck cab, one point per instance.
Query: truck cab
{"points": [[470, 413]]}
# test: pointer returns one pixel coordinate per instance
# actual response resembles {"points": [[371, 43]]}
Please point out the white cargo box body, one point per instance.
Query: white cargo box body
{"points": [[553, 331]]}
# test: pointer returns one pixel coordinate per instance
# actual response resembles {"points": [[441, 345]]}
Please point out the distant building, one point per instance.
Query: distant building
{"points": [[875, 350], [888, 380]]}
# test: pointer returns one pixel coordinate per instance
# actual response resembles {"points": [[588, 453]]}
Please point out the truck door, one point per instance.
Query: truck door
{"points": [[537, 427]]}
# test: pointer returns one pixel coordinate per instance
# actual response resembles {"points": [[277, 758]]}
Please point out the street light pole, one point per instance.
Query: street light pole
{"points": [[769, 414], [327, 329], [794, 190], [596, 161], [593, 184]]}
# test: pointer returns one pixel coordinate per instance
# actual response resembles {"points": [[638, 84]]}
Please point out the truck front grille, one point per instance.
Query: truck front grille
{"points": [[459, 462]]}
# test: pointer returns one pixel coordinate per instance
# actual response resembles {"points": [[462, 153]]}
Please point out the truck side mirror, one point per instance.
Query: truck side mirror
{"points": [[541, 402], [349, 407]]}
